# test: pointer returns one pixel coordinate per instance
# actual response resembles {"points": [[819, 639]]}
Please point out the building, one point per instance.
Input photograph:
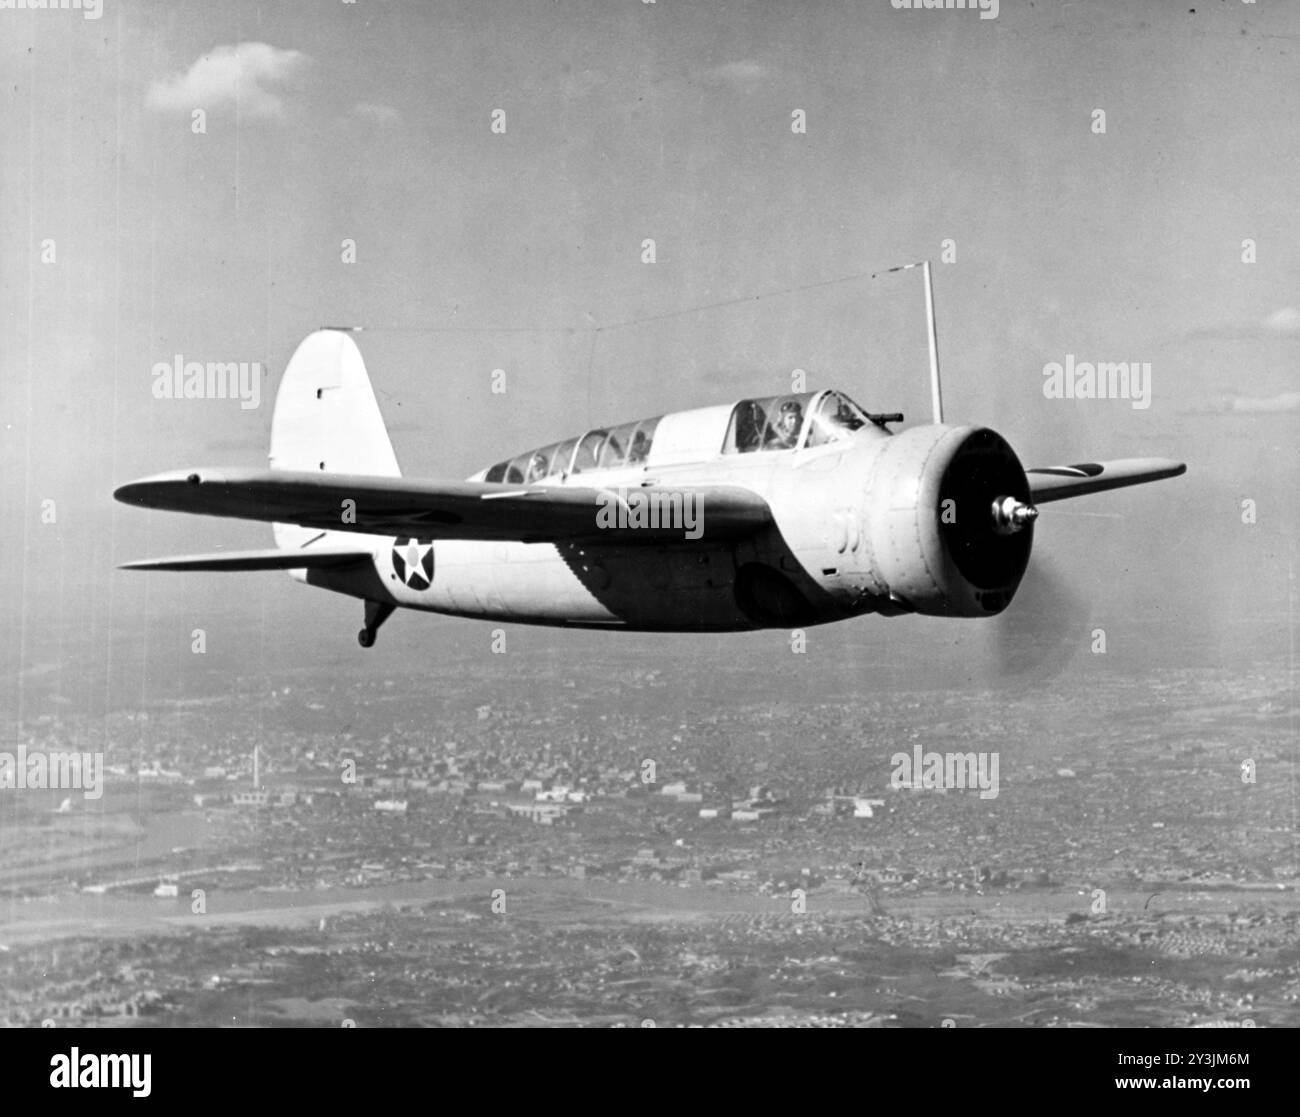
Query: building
{"points": [[543, 813], [557, 794]]}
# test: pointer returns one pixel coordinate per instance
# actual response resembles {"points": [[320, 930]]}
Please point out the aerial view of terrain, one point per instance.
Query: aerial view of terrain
{"points": [[638, 853]]}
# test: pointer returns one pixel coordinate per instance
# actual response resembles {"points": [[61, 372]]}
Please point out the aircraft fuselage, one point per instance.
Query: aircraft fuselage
{"points": [[812, 566]]}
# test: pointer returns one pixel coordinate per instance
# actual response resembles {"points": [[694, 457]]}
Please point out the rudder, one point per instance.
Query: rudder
{"points": [[327, 419]]}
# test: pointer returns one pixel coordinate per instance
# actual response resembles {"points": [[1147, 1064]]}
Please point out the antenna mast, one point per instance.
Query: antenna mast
{"points": [[936, 394]]}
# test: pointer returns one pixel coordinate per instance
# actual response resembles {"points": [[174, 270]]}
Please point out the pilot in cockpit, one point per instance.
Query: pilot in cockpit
{"points": [[785, 431], [639, 449], [536, 468]]}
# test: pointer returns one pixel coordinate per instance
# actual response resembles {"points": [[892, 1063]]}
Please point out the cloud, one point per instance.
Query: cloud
{"points": [[243, 75], [1246, 405], [376, 113], [1283, 322], [1286, 401], [744, 74]]}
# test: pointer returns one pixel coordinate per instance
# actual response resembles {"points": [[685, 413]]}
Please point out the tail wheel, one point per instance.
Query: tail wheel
{"points": [[376, 613]]}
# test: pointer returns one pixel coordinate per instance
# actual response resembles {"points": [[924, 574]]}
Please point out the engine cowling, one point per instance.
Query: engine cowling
{"points": [[949, 521]]}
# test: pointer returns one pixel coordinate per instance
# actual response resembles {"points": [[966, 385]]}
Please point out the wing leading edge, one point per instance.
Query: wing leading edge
{"points": [[275, 559], [476, 510], [1060, 482]]}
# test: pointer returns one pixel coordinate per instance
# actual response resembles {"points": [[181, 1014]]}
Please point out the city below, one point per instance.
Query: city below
{"points": [[363, 852]]}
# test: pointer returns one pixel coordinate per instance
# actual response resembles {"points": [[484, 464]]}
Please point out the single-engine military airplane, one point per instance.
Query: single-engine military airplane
{"points": [[775, 512]]}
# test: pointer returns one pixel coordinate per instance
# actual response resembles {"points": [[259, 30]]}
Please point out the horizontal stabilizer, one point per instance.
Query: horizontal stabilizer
{"points": [[1058, 482], [255, 560]]}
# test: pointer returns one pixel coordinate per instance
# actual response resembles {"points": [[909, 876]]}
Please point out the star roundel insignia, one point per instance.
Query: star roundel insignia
{"points": [[413, 562]]}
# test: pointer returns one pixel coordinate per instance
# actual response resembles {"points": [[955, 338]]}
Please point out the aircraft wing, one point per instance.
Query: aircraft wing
{"points": [[1058, 482], [452, 510]]}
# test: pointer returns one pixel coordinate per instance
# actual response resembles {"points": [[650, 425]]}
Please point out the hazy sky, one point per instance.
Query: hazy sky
{"points": [[475, 250]]}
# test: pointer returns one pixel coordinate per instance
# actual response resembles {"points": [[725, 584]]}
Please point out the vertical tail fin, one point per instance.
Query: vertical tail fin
{"points": [[326, 419]]}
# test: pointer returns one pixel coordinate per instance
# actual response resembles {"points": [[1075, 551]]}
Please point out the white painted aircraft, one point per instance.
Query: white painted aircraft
{"points": [[775, 512]]}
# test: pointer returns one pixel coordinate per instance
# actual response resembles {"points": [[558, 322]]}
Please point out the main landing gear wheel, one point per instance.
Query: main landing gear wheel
{"points": [[376, 613]]}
